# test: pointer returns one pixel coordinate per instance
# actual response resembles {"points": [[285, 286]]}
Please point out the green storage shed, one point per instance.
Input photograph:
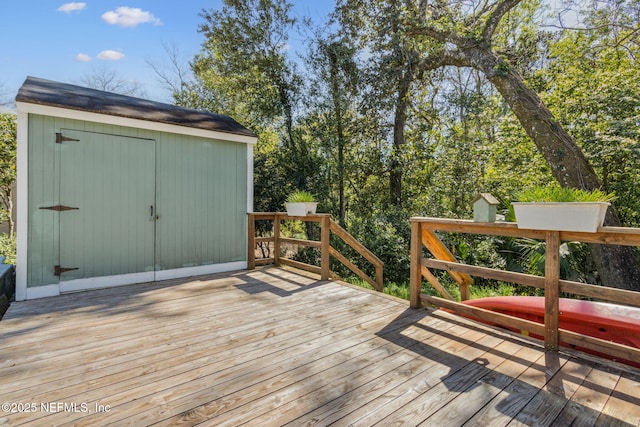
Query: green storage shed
{"points": [[117, 190]]}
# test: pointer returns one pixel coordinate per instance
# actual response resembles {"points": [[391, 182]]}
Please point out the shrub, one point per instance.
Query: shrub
{"points": [[8, 248]]}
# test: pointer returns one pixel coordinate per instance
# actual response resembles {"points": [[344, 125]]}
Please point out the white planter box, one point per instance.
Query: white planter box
{"points": [[301, 209], [576, 216]]}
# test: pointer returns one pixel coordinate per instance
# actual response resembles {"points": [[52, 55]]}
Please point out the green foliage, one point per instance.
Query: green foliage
{"points": [[8, 146], [591, 87], [8, 248], [243, 53], [528, 256], [399, 290], [300, 196], [358, 110], [386, 234], [502, 69], [555, 193], [244, 70], [307, 255]]}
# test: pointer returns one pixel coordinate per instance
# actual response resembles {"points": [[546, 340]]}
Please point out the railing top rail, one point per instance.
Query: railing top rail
{"points": [[605, 235], [284, 214]]}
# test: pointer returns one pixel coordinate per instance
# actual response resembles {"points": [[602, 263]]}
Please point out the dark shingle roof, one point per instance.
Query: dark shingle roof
{"points": [[47, 92]]}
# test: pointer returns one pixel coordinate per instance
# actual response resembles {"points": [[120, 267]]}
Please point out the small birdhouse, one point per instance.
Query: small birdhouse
{"points": [[484, 208]]}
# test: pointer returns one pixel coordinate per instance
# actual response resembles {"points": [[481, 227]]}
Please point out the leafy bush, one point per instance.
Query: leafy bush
{"points": [[387, 236], [307, 255], [8, 248]]}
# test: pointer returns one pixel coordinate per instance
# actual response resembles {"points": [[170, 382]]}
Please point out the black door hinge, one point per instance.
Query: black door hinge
{"points": [[57, 270], [60, 208], [61, 138]]}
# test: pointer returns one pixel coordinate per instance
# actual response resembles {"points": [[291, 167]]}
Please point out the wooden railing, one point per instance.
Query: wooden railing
{"points": [[327, 226], [423, 234]]}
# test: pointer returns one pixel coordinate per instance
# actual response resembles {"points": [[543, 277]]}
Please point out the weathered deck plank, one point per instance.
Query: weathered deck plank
{"points": [[477, 395], [271, 347], [623, 406]]}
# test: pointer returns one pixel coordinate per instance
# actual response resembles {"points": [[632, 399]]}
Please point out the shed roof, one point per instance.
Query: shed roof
{"points": [[46, 92], [487, 197]]}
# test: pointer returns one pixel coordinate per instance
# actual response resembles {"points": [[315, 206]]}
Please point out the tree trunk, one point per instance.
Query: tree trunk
{"points": [[618, 266], [337, 107], [395, 165], [399, 123]]}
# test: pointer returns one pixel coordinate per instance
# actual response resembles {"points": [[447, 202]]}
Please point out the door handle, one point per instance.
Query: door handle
{"points": [[152, 216]]}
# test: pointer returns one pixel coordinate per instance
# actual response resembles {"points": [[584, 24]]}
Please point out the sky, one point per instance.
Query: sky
{"points": [[66, 41]]}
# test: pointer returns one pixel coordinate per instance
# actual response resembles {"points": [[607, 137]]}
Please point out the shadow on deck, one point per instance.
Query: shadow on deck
{"points": [[273, 346]]}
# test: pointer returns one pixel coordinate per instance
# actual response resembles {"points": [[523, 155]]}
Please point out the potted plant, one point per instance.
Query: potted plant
{"points": [[301, 203], [561, 209]]}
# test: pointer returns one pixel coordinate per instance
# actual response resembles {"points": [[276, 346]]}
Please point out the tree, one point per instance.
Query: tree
{"points": [[245, 46], [176, 75], [106, 79], [332, 100], [394, 66], [7, 166], [465, 37], [245, 70], [245, 57], [590, 85]]}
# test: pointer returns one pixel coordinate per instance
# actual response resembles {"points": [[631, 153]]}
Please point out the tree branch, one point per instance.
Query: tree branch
{"points": [[441, 59], [501, 9], [440, 36]]}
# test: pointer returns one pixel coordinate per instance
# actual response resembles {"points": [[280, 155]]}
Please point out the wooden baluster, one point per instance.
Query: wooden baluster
{"points": [[325, 224], [276, 240], [379, 277], [551, 290]]}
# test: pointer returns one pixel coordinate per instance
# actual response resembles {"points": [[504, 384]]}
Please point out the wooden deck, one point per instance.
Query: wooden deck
{"points": [[271, 347]]}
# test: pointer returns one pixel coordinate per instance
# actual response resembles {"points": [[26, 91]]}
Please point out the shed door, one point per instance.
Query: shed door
{"points": [[111, 180]]}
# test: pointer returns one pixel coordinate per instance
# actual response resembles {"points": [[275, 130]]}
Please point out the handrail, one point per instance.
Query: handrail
{"points": [[326, 250], [423, 234]]}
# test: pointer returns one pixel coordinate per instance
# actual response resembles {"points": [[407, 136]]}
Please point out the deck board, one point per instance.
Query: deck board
{"points": [[276, 347]]}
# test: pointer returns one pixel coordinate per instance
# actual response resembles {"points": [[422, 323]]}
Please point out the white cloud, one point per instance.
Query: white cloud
{"points": [[83, 57], [129, 17], [72, 7], [110, 55]]}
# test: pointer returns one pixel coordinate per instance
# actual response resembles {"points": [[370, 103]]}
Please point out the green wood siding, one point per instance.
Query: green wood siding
{"points": [[43, 237], [200, 199], [201, 194]]}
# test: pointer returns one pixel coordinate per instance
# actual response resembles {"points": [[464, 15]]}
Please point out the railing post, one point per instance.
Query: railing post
{"points": [[551, 290], [379, 277], [415, 281], [251, 246], [276, 240], [325, 230]]}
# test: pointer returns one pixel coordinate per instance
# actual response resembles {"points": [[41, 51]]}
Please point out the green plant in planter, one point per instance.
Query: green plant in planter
{"points": [[561, 209], [301, 203], [555, 193], [300, 196]]}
